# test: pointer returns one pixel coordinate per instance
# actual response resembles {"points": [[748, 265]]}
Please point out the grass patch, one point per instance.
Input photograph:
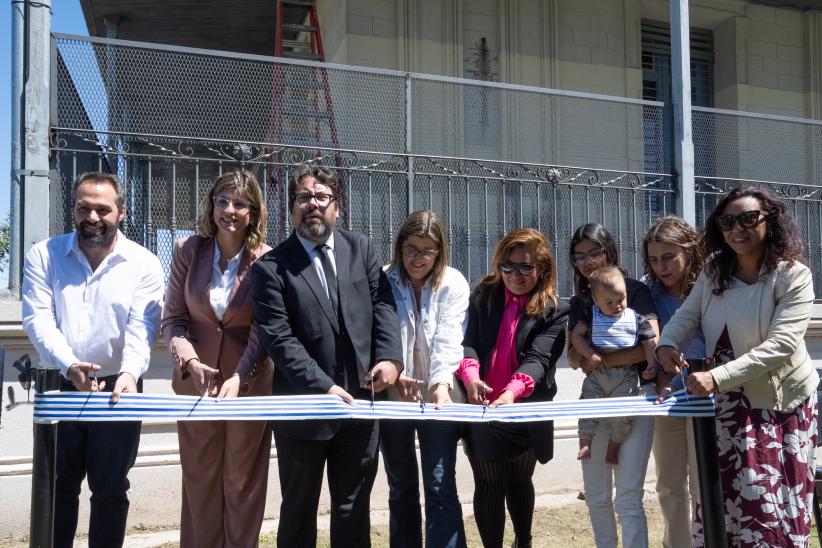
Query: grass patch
{"points": [[565, 526]]}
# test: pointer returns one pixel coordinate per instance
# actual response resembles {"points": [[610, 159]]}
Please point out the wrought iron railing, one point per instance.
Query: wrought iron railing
{"points": [[165, 179], [804, 201]]}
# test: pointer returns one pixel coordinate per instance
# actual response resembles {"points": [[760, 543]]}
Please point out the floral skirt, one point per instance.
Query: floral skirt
{"points": [[766, 461]]}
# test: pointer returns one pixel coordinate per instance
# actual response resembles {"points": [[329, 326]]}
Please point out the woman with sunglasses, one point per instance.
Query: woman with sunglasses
{"points": [[432, 299], [593, 247], [753, 302], [673, 256], [207, 326], [515, 334]]}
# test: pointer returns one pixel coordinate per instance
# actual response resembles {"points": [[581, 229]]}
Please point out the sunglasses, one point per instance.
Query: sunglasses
{"points": [[746, 219], [522, 268]]}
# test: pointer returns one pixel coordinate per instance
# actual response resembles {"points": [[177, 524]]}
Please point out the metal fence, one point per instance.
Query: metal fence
{"points": [[757, 147], [165, 180], [129, 87], [804, 201], [781, 154], [487, 156]]}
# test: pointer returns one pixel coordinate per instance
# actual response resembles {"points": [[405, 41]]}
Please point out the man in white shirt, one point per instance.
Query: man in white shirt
{"points": [[92, 301]]}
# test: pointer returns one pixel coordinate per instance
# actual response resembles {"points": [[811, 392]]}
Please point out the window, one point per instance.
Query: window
{"points": [[656, 86]]}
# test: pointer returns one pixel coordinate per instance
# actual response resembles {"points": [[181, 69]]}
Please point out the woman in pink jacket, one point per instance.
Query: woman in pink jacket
{"points": [[207, 326]]}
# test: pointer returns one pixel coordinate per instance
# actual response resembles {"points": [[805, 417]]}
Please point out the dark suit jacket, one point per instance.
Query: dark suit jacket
{"points": [[540, 341], [299, 330]]}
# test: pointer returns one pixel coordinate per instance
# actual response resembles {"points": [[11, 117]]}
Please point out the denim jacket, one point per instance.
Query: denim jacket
{"points": [[443, 315]]}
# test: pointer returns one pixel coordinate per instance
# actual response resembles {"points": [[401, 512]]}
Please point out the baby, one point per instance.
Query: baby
{"points": [[612, 326]]}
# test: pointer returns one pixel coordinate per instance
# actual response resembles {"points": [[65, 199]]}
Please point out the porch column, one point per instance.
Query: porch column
{"points": [[681, 104], [30, 136]]}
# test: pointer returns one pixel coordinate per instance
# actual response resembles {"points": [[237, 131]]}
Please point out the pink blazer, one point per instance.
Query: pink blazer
{"points": [[191, 330]]}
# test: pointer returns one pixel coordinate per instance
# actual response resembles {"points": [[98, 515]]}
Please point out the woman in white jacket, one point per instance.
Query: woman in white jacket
{"points": [[753, 302], [432, 299]]}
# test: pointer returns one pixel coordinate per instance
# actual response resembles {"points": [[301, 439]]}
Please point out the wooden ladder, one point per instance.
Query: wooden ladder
{"points": [[303, 112]]}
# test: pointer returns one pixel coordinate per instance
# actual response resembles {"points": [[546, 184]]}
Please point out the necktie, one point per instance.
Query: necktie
{"points": [[330, 277]]}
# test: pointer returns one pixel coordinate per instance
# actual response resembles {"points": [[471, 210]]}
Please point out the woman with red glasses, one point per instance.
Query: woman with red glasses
{"points": [[593, 247], [753, 302], [514, 336]]}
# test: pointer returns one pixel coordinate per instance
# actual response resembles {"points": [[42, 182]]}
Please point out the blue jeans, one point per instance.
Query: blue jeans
{"points": [[438, 451]]}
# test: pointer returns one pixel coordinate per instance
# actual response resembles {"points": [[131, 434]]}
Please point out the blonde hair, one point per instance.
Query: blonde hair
{"points": [[534, 243], [609, 278], [245, 182], [422, 224]]}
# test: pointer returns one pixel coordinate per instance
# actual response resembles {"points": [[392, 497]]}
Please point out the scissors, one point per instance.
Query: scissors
{"points": [[422, 400], [93, 377]]}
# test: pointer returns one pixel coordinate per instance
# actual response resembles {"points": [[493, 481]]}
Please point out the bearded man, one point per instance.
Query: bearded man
{"points": [[326, 316], [92, 301]]}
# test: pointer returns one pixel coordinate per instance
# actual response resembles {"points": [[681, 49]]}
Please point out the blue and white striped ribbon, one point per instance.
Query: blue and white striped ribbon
{"points": [[81, 406]]}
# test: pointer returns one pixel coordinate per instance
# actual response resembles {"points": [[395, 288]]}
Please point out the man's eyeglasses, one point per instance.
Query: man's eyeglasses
{"points": [[582, 258], [522, 268], [746, 219], [221, 202], [412, 252], [322, 199]]}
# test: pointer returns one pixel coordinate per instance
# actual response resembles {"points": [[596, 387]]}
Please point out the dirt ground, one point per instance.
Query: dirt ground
{"points": [[564, 526]]}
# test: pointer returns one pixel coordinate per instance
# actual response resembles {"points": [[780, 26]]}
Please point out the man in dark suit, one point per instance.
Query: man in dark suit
{"points": [[326, 316]]}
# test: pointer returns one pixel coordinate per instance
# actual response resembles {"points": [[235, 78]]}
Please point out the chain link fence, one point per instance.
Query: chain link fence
{"points": [[124, 87], [781, 154], [486, 156], [483, 154], [757, 147]]}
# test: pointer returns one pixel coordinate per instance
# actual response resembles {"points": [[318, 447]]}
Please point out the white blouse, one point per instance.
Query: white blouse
{"points": [[222, 281]]}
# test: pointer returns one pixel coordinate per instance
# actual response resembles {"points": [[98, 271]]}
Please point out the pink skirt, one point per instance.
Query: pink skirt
{"points": [[766, 461]]}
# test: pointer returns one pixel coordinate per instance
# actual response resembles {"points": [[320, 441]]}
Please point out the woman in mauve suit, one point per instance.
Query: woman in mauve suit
{"points": [[207, 326]]}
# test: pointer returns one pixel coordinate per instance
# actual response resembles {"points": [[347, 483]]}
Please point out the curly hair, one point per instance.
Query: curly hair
{"points": [[673, 230], [244, 181], [534, 243], [782, 241], [599, 235]]}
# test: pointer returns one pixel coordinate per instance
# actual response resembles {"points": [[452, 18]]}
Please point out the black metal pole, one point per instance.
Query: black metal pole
{"points": [[43, 468], [707, 465]]}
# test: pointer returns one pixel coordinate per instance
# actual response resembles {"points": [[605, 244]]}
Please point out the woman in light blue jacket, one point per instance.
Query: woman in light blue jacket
{"points": [[432, 299]]}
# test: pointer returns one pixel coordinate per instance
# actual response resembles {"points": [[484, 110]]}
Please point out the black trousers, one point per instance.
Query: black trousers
{"points": [[351, 455], [104, 452]]}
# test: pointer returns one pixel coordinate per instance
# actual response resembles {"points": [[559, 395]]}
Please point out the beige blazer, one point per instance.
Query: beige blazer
{"points": [[191, 330], [766, 323]]}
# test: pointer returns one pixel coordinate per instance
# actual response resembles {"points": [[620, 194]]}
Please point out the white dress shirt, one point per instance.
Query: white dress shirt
{"points": [[222, 281], [107, 317], [314, 255]]}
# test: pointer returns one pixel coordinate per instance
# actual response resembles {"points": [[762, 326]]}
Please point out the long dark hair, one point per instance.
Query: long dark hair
{"points": [[599, 235], [782, 241]]}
